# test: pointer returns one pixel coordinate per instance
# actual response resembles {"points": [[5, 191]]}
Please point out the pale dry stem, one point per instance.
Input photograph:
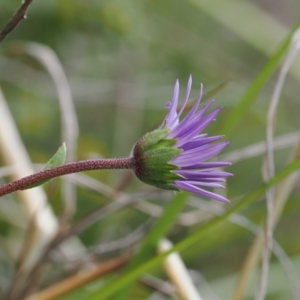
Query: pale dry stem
{"points": [[177, 273], [74, 282], [70, 128]]}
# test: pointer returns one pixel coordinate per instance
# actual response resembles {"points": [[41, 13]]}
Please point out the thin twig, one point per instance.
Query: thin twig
{"points": [[19, 16], [150, 209], [102, 212], [269, 163], [242, 221], [160, 285], [281, 196], [124, 242], [257, 149], [29, 240], [96, 252], [74, 282], [79, 227]]}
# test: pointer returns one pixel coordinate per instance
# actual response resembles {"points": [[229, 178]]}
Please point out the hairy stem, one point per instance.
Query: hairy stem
{"points": [[75, 167]]}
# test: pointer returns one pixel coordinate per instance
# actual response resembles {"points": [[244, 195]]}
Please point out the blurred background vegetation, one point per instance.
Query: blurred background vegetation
{"points": [[121, 59]]}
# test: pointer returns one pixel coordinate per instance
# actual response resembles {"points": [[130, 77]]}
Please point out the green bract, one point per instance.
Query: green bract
{"points": [[151, 155]]}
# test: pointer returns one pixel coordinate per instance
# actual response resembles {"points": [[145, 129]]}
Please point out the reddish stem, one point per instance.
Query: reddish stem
{"points": [[75, 167]]}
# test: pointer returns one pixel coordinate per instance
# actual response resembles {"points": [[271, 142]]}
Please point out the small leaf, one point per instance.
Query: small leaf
{"points": [[58, 158]]}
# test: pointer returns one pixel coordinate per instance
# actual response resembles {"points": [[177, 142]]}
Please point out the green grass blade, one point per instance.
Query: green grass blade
{"points": [[122, 282], [236, 115], [149, 244]]}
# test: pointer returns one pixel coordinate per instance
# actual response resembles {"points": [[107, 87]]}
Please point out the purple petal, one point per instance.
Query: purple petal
{"points": [[199, 141], [198, 191], [172, 115], [203, 183], [193, 170], [207, 165], [199, 150], [186, 159], [197, 103], [206, 179], [189, 120], [187, 95], [168, 105], [195, 129], [202, 174]]}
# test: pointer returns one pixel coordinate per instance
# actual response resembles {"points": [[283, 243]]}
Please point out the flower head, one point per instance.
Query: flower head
{"points": [[175, 156]]}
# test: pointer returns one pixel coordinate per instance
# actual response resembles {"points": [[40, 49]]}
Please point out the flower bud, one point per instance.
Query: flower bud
{"points": [[151, 155], [176, 156]]}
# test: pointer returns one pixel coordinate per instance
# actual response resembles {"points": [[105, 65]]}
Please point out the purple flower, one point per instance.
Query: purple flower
{"points": [[175, 155]]}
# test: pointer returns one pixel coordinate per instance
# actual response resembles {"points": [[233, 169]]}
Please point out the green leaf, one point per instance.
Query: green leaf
{"points": [[111, 288], [58, 158]]}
